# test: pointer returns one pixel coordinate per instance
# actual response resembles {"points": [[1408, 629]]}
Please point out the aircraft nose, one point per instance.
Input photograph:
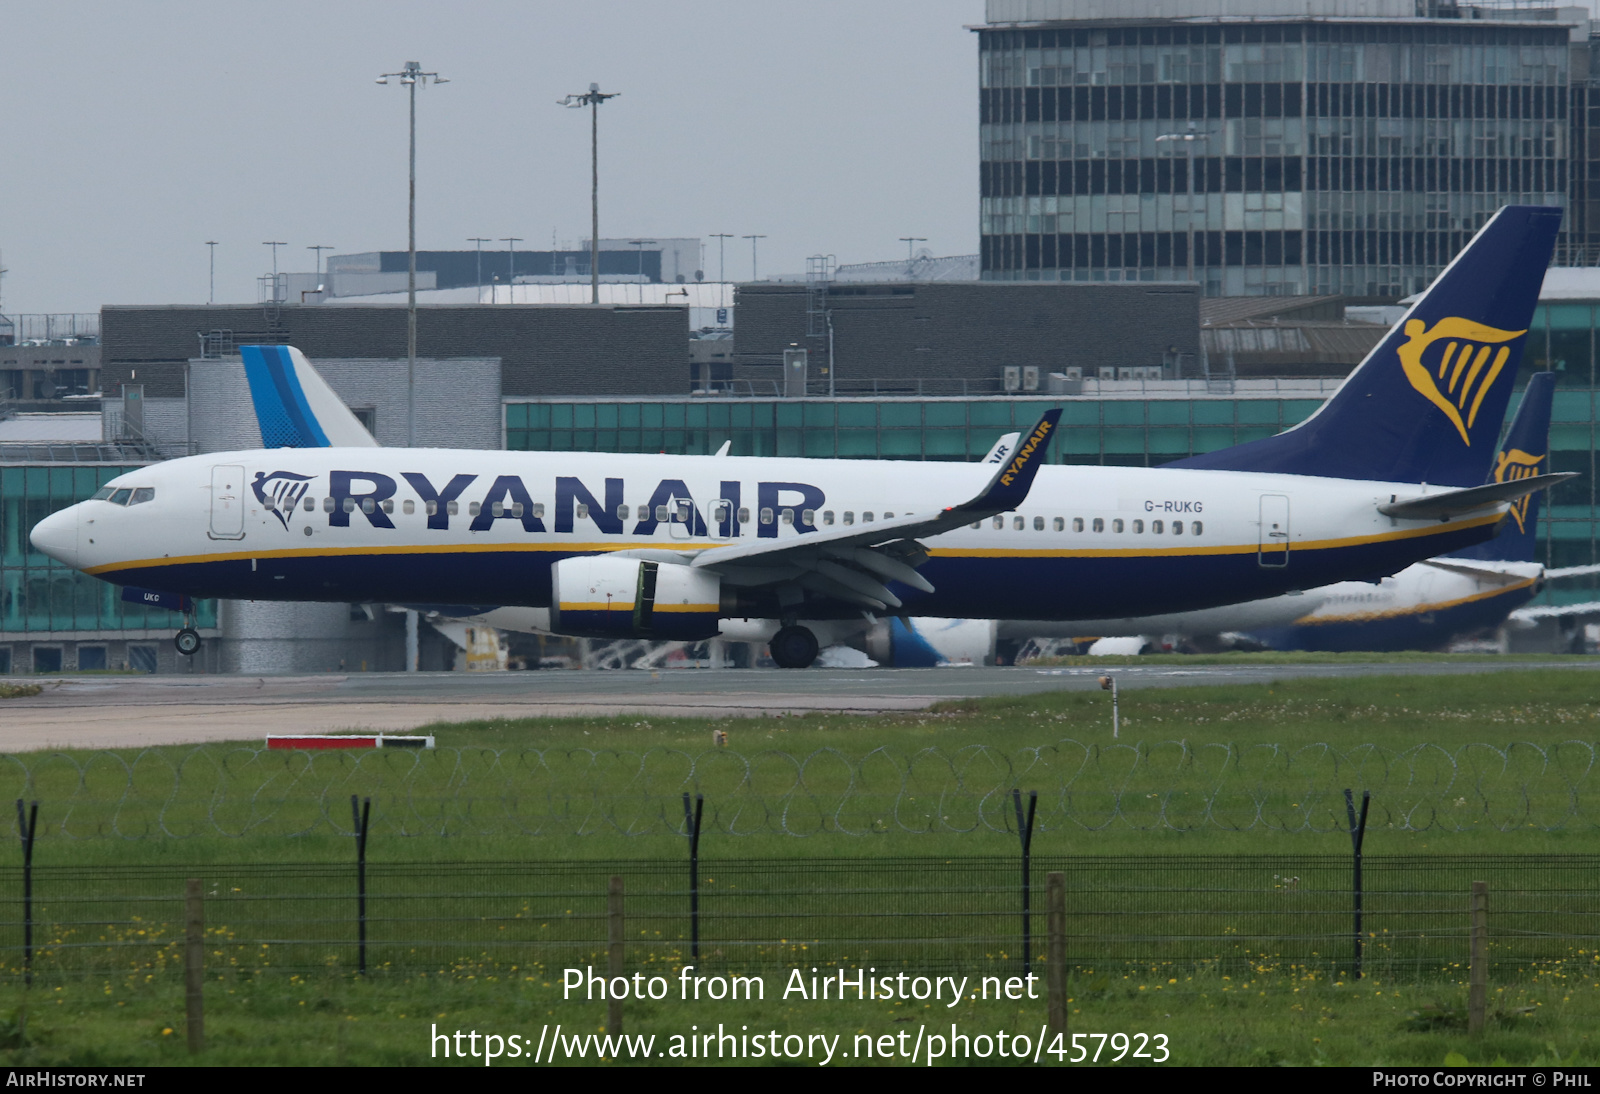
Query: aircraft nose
{"points": [[57, 536]]}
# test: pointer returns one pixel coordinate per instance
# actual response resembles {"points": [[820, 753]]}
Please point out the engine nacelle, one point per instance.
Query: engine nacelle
{"points": [[597, 596]]}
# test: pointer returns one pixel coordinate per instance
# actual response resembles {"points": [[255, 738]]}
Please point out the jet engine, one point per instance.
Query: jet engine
{"points": [[598, 596]]}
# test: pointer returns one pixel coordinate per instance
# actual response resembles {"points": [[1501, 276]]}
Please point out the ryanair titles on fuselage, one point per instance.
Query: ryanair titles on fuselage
{"points": [[507, 497]]}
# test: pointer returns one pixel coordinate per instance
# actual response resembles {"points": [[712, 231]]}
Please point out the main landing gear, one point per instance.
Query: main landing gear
{"points": [[793, 647]]}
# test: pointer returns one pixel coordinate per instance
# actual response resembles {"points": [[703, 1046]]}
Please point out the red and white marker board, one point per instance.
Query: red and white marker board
{"points": [[346, 740]]}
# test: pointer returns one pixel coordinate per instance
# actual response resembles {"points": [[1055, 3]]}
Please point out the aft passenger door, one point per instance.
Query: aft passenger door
{"points": [[227, 503], [1274, 530]]}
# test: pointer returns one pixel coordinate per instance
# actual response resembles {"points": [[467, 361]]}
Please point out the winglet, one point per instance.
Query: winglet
{"points": [[1010, 485], [295, 407]]}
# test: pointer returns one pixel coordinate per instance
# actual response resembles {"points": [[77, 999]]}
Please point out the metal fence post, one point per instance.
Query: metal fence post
{"points": [[1056, 954], [614, 956], [27, 828], [1478, 977], [194, 964], [691, 825], [1358, 835], [360, 818], [1025, 834]]}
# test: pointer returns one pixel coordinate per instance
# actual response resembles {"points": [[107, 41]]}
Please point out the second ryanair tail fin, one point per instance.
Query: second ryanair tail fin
{"points": [[1426, 405], [295, 407], [1525, 454]]}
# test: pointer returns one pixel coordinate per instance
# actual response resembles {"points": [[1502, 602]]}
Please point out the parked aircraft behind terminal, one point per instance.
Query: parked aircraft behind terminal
{"points": [[1385, 473]]}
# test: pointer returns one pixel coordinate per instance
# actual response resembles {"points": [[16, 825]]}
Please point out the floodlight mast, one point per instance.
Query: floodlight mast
{"points": [[410, 77], [592, 99]]}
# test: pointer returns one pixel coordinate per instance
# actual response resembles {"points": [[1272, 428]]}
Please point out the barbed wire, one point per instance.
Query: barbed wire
{"points": [[1171, 785]]}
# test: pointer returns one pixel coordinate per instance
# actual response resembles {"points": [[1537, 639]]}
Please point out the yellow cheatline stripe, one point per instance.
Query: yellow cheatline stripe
{"points": [[687, 607], [678, 545], [416, 549], [1396, 613], [1223, 549]]}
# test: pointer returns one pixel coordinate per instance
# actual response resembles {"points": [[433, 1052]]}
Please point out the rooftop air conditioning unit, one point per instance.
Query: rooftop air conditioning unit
{"points": [[1107, 372], [1063, 383], [1073, 372], [1030, 378], [1013, 378]]}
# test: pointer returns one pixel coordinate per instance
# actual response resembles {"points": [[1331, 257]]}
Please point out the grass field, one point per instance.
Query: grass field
{"points": [[1496, 765]]}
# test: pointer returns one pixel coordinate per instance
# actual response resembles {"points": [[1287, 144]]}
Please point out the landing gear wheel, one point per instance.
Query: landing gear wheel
{"points": [[187, 641], [793, 648]]}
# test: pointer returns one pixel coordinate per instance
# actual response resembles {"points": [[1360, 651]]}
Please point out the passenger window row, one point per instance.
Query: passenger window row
{"points": [[1098, 524]]}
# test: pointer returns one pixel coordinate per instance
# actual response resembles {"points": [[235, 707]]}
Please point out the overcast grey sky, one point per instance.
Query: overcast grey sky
{"points": [[138, 131]]}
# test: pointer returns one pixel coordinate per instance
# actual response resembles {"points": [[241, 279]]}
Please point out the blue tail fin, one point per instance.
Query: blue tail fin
{"points": [[1427, 404], [295, 407], [1526, 453]]}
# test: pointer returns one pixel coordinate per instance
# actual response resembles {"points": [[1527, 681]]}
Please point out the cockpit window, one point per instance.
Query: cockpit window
{"points": [[142, 495], [121, 497], [101, 494]]}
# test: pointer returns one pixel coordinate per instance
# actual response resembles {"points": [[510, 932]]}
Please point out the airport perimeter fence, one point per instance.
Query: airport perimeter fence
{"points": [[1166, 785], [1166, 916]]}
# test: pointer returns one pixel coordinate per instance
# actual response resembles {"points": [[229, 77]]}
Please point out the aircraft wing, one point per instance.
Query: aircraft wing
{"points": [[854, 563], [1452, 502], [1481, 573], [1572, 571], [1547, 611]]}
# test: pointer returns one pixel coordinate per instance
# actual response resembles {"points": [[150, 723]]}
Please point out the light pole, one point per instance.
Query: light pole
{"points": [[592, 99], [319, 248], [1188, 137], [910, 242], [212, 297], [511, 266], [480, 241], [721, 238], [409, 78], [274, 244], [752, 240], [640, 243]]}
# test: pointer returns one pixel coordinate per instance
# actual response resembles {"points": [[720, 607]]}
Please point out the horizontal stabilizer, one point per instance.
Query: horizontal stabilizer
{"points": [[1455, 502]]}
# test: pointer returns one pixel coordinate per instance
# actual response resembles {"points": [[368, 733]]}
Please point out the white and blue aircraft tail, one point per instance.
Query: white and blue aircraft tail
{"points": [[1389, 471]]}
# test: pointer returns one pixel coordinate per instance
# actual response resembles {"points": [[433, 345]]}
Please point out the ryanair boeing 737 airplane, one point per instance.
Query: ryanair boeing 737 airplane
{"points": [[1389, 471]]}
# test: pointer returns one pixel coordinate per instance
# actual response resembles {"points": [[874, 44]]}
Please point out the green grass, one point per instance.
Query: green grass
{"points": [[1456, 764], [1274, 1016], [18, 691]]}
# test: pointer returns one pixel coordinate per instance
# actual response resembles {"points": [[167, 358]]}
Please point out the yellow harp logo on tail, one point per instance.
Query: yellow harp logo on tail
{"points": [[1457, 378], [1511, 466]]}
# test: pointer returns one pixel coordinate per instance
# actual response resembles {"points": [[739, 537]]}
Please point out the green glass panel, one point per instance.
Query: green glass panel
{"points": [[978, 444], [628, 440], [1169, 412], [672, 415], [84, 482], [1080, 412], [1569, 437], [583, 440], [11, 482], [628, 415], [1123, 411], [1078, 441], [818, 414], [1213, 412], [561, 440], [694, 415], [605, 440], [516, 415], [561, 416], [990, 414], [1298, 410], [900, 444], [717, 415], [900, 415], [790, 414], [945, 414], [1209, 440], [858, 415], [1169, 440], [858, 443], [674, 441], [1568, 316], [516, 440], [38, 481], [1258, 412], [650, 415], [583, 416], [650, 440], [819, 443], [739, 415], [1125, 441], [788, 441], [605, 416], [1572, 406], [1254, 434], [944, 443], [539, 415]]}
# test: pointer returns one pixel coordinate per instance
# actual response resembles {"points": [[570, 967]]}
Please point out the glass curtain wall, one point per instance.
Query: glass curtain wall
{"points": [[39, 594]]}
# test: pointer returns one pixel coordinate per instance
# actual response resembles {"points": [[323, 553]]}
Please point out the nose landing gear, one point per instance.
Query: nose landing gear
{"points": [[187, 640]]}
